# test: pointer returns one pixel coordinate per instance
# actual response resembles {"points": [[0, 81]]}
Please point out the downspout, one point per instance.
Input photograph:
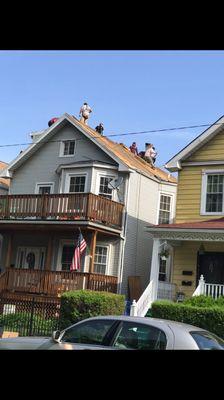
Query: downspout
{"points": [[123, 236]]}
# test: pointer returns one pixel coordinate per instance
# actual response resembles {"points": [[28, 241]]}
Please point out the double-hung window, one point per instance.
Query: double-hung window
{"points": [[77, 184], [104, 190], [212, 193], [100, 260], [67, 148], [164, 209]]}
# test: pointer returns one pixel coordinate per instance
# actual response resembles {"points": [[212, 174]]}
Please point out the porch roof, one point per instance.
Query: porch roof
{"points": [[217, 223], [211, 230]]}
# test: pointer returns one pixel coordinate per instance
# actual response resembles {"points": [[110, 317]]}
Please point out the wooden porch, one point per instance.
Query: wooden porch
{"points": [[53, 283], [65, 206]]}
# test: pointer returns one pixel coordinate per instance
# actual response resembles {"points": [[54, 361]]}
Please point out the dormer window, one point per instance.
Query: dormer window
{"points": [[67, 148]]}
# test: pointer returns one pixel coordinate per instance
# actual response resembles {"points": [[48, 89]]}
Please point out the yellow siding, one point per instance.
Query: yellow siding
{"points": [[185, 258], [211, 151], [189, 194]]}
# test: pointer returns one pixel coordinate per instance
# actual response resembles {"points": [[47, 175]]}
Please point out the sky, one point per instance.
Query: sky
{"points": [[129, 91]]}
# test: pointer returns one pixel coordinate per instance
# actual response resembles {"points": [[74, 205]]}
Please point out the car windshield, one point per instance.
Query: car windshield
{"points": [[207, 341]]}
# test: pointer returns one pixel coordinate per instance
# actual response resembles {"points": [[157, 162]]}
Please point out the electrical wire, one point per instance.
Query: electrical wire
{"points": [[120, 134]]}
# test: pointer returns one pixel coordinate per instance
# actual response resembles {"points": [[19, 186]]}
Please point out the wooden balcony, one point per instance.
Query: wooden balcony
{"points": [[65, 206], [53, 283]]}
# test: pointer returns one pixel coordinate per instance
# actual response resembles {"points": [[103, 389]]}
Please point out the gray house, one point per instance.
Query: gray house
{"points": [[70, 179]]}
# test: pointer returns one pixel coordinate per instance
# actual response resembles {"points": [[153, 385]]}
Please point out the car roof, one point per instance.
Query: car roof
{"points": [[157, 322]]}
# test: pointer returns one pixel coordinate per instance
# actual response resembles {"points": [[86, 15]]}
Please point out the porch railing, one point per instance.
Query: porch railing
{"points": [[141, 307], [64, 206], [209, 289], [53, 283]]}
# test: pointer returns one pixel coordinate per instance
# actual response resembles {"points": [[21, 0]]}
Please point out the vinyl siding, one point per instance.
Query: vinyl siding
{"points": [[185, 258], [41, 167], [142, 209], [189, 194], [211, 151]]}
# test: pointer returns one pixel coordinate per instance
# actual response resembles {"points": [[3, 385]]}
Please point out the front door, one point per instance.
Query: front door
{"points": [[30, 257], [211, 266]]}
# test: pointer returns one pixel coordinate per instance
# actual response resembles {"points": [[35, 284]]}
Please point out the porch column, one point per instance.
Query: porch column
{"points": [[9, 252], [92, 251], [49, 254], [154, 274]]}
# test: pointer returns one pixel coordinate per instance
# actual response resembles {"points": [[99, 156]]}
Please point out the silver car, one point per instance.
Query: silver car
{"points": [[121, 333]]}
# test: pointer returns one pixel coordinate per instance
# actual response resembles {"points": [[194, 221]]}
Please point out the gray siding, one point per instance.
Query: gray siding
{"points": [[142, 209], [41, 167]]}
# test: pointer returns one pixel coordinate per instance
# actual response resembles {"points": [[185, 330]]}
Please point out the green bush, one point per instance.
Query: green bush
{"points": [[220, 301], [200, 301], [20, 322], [80, 304], [210, 318]]}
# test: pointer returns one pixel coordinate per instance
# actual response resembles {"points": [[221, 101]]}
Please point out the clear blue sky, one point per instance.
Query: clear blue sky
{"points": [[128, 91]]}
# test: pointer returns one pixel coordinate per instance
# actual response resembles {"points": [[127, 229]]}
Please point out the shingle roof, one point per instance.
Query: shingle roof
{"points": [[209, 224], [125, 155]]}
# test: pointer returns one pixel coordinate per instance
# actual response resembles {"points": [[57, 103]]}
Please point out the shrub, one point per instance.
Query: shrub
{"points": [[210, 318], [80, 304], [200, 301], [20, 322], [220, 301]]}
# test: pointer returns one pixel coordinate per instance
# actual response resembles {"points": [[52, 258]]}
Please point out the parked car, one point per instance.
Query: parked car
{"points": [[122, 333]]}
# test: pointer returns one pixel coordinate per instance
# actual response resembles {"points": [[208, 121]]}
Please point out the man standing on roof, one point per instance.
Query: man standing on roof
{"points": [[85, 110]]}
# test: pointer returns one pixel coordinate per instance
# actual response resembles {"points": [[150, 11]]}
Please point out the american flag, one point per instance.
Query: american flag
{"points": [[80, 247]]}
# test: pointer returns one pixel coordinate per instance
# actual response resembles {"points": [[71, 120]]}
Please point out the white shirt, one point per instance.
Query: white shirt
{"points": [[150, 152], [85, 110]]}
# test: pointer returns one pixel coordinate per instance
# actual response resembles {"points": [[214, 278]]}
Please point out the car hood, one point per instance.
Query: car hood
{"points": [[24, 343]]}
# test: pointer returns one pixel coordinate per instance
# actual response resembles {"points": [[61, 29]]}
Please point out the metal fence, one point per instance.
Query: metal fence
{"points": [[29, 316]]}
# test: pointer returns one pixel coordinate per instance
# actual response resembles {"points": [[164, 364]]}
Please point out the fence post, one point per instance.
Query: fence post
{"points": [[31, 316], [201, 284], [133, 310]]}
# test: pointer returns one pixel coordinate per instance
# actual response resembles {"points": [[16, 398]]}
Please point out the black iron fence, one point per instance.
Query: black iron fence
{"points": [[29, 316]]}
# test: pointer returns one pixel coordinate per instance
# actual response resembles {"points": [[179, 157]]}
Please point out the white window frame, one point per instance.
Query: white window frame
{"points": [[72, 174], [66, 242], [205, 174], [171, 195], [44, 184], [108, 246], [62, 148], [105, 174]]}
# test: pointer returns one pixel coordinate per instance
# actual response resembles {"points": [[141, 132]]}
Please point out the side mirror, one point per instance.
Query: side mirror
{"points": [[55, 335]]}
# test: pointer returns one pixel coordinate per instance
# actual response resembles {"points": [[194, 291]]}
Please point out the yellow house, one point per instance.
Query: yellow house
{"points": [[193, 246]]}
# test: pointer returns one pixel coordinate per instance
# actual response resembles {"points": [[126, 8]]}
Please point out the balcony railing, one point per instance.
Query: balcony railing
{"points": [[53, 283], [65, 206]]}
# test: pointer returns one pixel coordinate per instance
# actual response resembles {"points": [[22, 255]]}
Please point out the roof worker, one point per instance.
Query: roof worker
{"points": [[154, 155], [133, 148], [100, 128], [150, 154], [84, 112], [52, 121]]}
